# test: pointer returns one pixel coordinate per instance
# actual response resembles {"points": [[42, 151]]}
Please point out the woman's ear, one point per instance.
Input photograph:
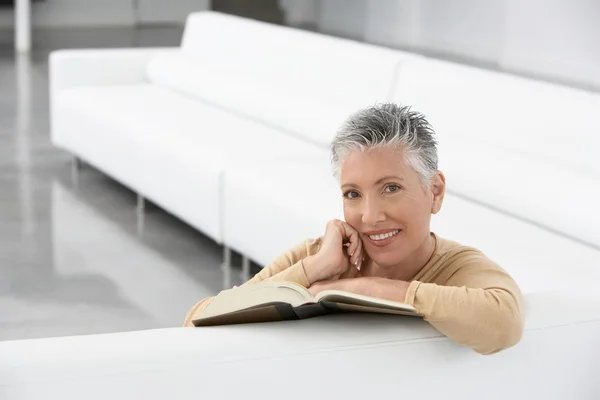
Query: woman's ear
{"points": [[438, 189]]}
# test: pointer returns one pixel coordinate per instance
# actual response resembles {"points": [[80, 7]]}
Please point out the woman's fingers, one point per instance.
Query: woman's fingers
{"points": [[355, 248], [355, 256], [350, 241]]}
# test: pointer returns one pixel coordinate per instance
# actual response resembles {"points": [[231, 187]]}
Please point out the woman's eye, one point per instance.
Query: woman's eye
{"points": [[351, 194], [392, 188]]}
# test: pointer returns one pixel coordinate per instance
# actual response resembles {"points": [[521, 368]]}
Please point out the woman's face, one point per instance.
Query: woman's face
{"points": [[384, 200]]}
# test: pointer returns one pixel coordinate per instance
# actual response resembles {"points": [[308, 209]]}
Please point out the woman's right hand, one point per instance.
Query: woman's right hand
{"points": [[341, 249]]}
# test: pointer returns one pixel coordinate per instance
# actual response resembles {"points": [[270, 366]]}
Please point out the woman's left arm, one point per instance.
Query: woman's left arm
{"points": [[479, 306], [479, 309]]}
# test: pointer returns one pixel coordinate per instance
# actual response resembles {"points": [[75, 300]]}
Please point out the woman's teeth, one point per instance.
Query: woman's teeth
{"points": [[384, 235]]}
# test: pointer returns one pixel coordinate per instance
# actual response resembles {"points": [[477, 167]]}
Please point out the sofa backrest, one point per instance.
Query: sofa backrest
{"points": [[526, 147], [349, 356], [302, 82], [550, 122]]}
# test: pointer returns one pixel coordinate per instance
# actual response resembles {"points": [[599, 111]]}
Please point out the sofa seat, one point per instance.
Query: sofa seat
{"points": [[227, 361], [302, 195], [285, 202], [165, 146], [555, 197]]}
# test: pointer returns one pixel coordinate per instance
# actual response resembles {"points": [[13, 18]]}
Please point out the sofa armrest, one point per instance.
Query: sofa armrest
{"points": [[98, 67]]}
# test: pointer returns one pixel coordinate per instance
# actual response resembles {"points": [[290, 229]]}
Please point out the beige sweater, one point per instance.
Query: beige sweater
{"points": [[461, 292]]}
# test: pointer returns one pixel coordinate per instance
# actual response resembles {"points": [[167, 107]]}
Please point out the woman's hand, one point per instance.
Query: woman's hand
{"points": [[340, 250]]}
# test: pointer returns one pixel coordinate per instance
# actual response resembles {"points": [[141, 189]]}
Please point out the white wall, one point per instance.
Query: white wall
{"points": [[342, 17], [62, 13], [169, 11], [68, 13], [555, 39], [297, 13]]}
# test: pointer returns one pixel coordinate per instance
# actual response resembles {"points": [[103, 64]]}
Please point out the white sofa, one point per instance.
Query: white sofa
{"points": [[230, 131], [172, 119], [166, 146], [350, 357]]}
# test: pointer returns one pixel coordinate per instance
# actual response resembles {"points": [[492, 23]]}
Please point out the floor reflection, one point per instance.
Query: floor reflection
{"points": [[85, 243], [76, 259]]}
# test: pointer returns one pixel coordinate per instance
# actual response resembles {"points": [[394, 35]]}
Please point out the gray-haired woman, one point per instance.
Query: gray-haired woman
{"points": [[385, 158]]}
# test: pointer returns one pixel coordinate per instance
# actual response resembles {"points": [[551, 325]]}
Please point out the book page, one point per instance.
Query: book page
{"points": [[340, 297], [345, 307], [252, 295]]}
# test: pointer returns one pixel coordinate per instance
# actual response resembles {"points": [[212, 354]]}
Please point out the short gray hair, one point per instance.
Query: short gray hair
{"points": [[388, 124]]}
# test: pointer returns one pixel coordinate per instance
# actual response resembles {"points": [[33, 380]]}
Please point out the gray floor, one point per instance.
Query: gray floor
{"points": [[74, 258]]}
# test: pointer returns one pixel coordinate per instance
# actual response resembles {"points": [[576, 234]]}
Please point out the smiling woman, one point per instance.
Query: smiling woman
{"points": [[385, 158]]}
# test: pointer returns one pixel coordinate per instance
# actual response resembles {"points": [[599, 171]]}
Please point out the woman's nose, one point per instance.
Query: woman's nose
{"points": [[372, 213]]}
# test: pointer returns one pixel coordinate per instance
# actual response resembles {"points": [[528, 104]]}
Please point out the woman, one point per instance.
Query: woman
{"points": [[385, 158]]}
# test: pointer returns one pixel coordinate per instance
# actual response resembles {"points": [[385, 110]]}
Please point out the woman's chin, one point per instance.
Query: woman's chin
{"points": [[385, 259]]}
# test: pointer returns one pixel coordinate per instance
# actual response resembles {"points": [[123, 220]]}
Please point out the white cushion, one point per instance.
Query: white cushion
{"points": [[550, 195], [167, 147], [292, 201], [539, 260], [294, 113]]}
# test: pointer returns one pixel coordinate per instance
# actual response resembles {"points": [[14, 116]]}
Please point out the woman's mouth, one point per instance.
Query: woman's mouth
{"points": [[384, 238]]}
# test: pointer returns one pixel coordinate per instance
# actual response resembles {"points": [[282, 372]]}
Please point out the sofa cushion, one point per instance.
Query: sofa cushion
{"points": [[538, 259], [550, 195], [295, 113], [168, 147]]}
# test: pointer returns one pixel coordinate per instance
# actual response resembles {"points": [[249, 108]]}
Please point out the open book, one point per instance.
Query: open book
{"points": [[279, 301]]}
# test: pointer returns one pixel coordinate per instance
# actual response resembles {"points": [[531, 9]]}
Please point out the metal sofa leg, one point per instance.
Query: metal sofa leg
{"points": [[75, 168], [226, 267], [141, 205], [140, 211], [245, 275]]}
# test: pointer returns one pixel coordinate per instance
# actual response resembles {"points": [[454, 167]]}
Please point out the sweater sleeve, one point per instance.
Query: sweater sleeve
{"points": [[479, 306], [286, 267], [289, 266]]}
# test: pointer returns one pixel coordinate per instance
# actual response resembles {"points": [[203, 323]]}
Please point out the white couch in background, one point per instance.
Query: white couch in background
{"points": [[166, 122], [166, 146], [230, 131]]}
